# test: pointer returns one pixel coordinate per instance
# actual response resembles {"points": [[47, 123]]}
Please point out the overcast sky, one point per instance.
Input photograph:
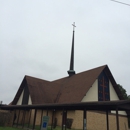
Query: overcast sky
{"points": [[36, 37]]}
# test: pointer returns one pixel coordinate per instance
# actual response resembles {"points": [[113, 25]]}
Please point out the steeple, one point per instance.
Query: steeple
{"points": [[71, 71]]}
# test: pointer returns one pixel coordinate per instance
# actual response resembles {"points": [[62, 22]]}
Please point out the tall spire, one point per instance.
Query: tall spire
{"points": [[71, 71]]}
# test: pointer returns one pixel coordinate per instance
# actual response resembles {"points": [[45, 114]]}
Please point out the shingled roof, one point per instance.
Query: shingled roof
{"points": [[70, 89], [41, 91]]}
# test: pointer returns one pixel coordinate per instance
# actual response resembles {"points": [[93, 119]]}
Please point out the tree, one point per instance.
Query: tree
{"points": [[123, 91]]}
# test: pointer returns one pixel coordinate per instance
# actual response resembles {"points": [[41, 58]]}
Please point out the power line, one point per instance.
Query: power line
{"points": [[120, 2]]}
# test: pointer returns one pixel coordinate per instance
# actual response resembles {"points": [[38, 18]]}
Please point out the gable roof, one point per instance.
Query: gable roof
{"points": [[41, 91], [70, 89], [74, 88]]}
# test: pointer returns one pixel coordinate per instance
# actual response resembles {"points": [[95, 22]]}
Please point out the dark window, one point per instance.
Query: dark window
{"points": [[103, 87]]}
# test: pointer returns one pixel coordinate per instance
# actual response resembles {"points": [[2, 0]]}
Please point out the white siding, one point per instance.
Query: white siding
{"points": [[20, 99], [29, 100], [92, 94], [113, 96]]}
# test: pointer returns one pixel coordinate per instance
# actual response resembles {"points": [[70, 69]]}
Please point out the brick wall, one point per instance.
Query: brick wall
{"points": [[58, 115], [6, 118], [95, 120], [39, 112], [20, 117]]}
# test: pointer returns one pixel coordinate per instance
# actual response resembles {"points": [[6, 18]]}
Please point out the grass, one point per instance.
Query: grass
{"points": [[36, 128], [9, 128]]}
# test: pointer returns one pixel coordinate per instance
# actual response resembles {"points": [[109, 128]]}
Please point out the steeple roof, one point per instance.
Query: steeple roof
{"points": [[71, 71]]}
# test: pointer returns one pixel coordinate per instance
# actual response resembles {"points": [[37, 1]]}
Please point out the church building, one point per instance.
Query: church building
{"points": [[97, 84]]}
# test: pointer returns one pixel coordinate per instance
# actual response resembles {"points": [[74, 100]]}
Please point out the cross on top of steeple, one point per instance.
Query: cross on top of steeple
{"points": [[73, 26]]}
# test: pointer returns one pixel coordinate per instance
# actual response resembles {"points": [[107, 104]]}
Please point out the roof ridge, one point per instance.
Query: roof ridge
{"points": [[26, 76], [82, 72], [103, 66]]}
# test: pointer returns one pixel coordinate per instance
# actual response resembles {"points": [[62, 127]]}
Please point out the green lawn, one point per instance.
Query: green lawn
{"points": [[9, 128], [36, 128]]}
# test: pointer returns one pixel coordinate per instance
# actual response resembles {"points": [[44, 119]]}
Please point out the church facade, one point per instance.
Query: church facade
{"points": [[97, 84]]}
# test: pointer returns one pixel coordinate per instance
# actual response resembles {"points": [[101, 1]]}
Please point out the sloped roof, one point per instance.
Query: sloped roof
{"points": [[41, 91], [65, 90], [17, 96], [74, 88]]}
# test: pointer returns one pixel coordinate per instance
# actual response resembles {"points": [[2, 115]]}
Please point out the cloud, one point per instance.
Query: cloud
{"points": [[36, 40]]}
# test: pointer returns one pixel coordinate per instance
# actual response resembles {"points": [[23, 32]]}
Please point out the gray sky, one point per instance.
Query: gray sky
{"points": [[36, 37]]}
